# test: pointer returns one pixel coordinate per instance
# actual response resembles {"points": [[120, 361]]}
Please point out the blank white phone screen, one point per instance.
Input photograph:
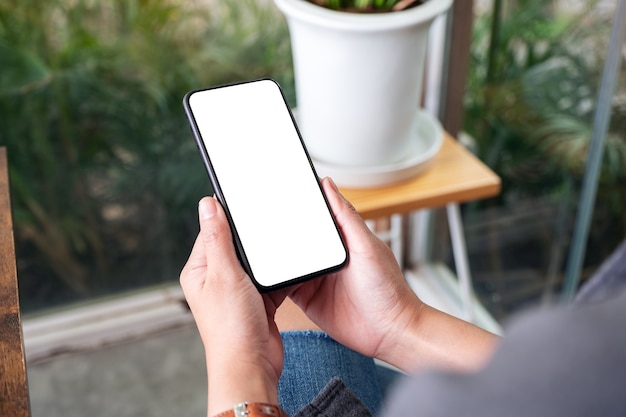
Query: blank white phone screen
{"points": [[270, 190]]}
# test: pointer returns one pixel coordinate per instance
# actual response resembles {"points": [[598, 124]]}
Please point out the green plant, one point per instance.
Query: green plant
{"points": [[533, 70], [530, 104], [104, 172], [367, 5]]}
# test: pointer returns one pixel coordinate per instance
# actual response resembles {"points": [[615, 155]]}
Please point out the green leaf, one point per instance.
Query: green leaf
{"points": [[21, 71]]}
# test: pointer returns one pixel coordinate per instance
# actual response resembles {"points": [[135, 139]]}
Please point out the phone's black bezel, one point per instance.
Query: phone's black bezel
{"points": [[219, 195]]}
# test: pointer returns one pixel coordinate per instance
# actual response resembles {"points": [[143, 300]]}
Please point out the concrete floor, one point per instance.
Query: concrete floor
{"points": [[158, 375]]}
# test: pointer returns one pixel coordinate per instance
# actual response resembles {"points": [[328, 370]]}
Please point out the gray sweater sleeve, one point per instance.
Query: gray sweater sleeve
{"points": [[561, 362]]}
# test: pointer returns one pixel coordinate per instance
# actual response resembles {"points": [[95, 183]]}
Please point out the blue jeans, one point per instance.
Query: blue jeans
{"points": [[312, 359]]}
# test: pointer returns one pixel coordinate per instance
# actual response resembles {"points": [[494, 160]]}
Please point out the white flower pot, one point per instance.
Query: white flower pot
{"points": [[358, 79]]}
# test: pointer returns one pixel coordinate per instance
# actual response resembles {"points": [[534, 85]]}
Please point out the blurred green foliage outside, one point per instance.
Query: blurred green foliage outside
{"points": [[104, 172]]}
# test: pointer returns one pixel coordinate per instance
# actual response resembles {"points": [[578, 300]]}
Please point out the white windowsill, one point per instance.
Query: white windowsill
{"points": [[129, 317], [101, 323]]}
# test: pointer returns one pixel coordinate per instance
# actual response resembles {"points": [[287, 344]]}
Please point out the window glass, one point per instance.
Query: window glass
{"points": [[104, 173], [530, 103]]}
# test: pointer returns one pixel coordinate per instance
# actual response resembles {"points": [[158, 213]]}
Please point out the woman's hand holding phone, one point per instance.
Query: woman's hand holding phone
{"points": [[369, 307], [236, 323]]}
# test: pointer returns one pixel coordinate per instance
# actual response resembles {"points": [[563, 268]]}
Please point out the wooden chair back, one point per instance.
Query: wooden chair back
{"points": [[14, 399]]}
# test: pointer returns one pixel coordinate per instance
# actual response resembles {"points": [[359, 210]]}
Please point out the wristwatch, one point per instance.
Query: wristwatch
{"points": [[246, 409]]}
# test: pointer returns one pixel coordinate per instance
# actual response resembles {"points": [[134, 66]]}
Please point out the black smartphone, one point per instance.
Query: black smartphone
{"points": [[283, 229]]}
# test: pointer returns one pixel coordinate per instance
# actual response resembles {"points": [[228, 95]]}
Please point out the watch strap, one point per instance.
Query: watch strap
{"points": [[253, 410]]}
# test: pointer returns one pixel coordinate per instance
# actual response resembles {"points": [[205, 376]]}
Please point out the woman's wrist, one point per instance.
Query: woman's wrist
{"points": [[230, 383], [400, 345], [434, 339]]}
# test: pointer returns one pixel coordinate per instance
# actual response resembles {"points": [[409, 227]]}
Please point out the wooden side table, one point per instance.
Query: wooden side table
{"points": [[454, 176]]}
